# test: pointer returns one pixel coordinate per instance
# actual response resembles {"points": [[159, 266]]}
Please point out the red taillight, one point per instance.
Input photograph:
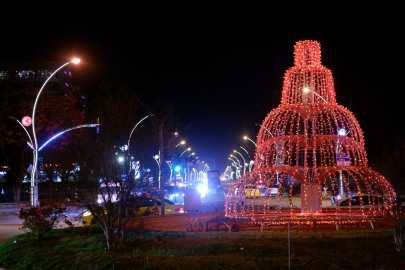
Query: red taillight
{"points": [[179, 209]]}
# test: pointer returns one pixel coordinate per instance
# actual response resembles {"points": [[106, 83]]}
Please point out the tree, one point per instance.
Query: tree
{"points": [[62, 111], [392, 165], [16, 100], [102, 176]]}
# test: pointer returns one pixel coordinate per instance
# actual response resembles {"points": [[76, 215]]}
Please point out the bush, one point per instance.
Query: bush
{"points": [[40, 219]]}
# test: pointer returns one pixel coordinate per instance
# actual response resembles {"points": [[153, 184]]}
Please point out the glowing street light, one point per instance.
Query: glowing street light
{"points": [[182, 142], [247, 138], [306, 90], [238, 161]]}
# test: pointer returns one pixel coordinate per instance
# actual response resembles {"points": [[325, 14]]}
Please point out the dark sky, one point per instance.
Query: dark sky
{"points": [[225, 75]]}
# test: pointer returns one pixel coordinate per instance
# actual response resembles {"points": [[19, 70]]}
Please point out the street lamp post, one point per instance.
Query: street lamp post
{"points": [[156, 158], [129, 140], [244, 162], [236, 162], [34, 186]]}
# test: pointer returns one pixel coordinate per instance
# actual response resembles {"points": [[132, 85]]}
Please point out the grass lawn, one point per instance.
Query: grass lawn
{"points": [[84, 248]]}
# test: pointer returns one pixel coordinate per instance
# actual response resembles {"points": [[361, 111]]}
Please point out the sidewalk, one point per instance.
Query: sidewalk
{"points": [[12, 209]]}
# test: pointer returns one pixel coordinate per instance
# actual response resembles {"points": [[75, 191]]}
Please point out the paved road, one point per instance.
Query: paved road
{"points": [[212, 205], [9, 227]]}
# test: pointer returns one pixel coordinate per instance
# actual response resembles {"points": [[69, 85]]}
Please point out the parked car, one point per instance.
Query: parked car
{"points": [[151, 205], [251, 191], [142, 206]]}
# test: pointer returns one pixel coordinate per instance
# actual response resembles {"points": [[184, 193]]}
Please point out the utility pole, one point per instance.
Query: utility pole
{"points": [[161, 157]]}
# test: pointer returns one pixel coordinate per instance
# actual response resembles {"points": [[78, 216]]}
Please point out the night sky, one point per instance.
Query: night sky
{"points": [[225, 75]]}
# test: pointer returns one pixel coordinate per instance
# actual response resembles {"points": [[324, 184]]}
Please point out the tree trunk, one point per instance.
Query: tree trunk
{"points": [[16, 193]]}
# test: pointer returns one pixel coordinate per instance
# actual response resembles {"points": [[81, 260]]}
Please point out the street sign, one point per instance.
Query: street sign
{"points": [[343, 159]]}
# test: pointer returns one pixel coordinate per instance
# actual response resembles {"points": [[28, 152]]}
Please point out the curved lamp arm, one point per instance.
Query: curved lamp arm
{"points": [[69, 129], [130, 135]]}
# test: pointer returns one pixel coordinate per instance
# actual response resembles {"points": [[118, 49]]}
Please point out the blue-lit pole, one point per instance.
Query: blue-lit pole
{"points": [[66, 130]]}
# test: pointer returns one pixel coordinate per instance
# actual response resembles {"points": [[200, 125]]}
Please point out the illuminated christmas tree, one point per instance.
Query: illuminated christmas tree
{"points": [[306, 143]]}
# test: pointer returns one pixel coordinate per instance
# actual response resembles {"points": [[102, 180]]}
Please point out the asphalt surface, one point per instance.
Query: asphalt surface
{"points": [[212, 205]]}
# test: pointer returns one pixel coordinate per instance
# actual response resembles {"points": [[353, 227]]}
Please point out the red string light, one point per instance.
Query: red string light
{"points": [[311, 140]]}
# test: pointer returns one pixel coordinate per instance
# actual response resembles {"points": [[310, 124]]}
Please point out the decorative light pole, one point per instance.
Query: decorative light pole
{"points": [[34, 186], [27, 122]]}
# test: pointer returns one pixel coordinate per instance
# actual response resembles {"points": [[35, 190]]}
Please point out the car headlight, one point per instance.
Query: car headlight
{"points": [[202, 189], [87, 213]]}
